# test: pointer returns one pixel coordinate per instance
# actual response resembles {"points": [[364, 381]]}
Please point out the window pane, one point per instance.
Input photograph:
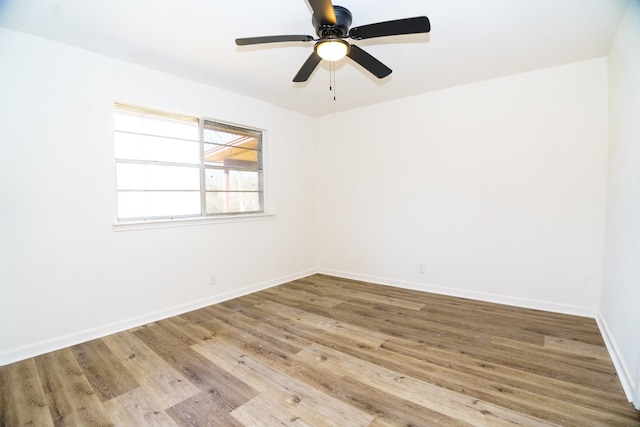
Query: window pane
{"points": [[138, 122], [232, 180], [127, 121], [145, 147], [222, 202], [146, 204], [224, 155], [131, 176], [218, 136]]}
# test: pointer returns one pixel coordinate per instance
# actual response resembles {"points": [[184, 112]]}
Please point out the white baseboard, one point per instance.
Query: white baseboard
{"points": [[636, 400], [463, 293], [57, 343], [618, 362]]}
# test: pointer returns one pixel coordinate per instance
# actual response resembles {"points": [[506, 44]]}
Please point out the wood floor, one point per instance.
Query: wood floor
{"points": [[325, 351]]}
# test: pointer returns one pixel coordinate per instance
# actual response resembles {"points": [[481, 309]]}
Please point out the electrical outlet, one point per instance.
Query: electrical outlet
{"points": [[212, 280], [422, 268]]}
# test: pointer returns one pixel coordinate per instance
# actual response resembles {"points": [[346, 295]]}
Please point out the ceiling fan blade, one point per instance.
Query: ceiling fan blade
{"points": [[367, 61], [307, 68], [419, 24], [273, 39], [323, 11]]}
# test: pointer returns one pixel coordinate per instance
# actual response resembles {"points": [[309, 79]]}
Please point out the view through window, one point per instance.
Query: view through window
{"points": [[172, 166]]}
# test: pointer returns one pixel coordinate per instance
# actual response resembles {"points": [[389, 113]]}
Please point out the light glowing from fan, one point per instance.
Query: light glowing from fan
{"points": [[332, 50]]}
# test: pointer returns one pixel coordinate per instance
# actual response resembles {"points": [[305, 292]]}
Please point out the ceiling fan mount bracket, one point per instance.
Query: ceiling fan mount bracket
{"points": [[338, 30]]}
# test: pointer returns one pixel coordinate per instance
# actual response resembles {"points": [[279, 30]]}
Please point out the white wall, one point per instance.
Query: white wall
{"points": [[619, 313], [497, 187], [65, 275]]}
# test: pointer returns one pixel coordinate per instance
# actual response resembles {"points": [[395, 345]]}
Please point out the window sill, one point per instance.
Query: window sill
{"points": [[187, 222]]}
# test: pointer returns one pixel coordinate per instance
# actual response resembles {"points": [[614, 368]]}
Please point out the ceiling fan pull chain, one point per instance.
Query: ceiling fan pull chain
{"points": [[332, 79], [334, 84]]}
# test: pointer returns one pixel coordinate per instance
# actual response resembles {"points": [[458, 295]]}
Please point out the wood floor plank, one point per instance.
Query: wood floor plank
{"points": [[552, 364], [292, 296], [328, 351], [555, 389], [103, 370], [266, 411], [573, 346], [427, 324], [137, 408], [69, 395], [341, 330], [185, 331], [345, 294], [258, 344], [203, 410], [387, 408], [281, 387], [165, 385], [496, 313], [491, 389], [220, 317], [438, 399], [22, 400], [325, 332], [227, 391]]}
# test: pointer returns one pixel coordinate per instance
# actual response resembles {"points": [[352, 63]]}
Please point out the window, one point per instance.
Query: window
{"points": [[171, 166]]}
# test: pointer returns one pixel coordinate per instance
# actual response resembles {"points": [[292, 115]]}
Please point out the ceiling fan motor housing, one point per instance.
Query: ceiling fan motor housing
{"points": [[341, 27]]}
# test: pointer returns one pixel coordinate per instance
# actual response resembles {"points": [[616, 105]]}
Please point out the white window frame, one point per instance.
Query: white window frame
{"points": [[203, 217]]}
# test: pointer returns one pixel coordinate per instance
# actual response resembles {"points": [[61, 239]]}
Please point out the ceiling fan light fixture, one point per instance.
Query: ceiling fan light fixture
{"points": [[332, 50]]}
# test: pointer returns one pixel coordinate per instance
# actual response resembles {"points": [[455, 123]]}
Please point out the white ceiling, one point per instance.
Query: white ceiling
{"points": [[470, 40]]}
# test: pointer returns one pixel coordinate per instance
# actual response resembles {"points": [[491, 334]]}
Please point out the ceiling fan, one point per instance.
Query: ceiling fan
{"points": [[332, 27]]}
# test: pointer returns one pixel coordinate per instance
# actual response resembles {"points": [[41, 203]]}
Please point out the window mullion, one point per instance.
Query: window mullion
{"points": [[203, 183], [155, 163], [260, 174]]}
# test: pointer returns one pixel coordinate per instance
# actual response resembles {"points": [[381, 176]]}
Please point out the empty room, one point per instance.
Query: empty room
{"points": [[299, 212]]}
